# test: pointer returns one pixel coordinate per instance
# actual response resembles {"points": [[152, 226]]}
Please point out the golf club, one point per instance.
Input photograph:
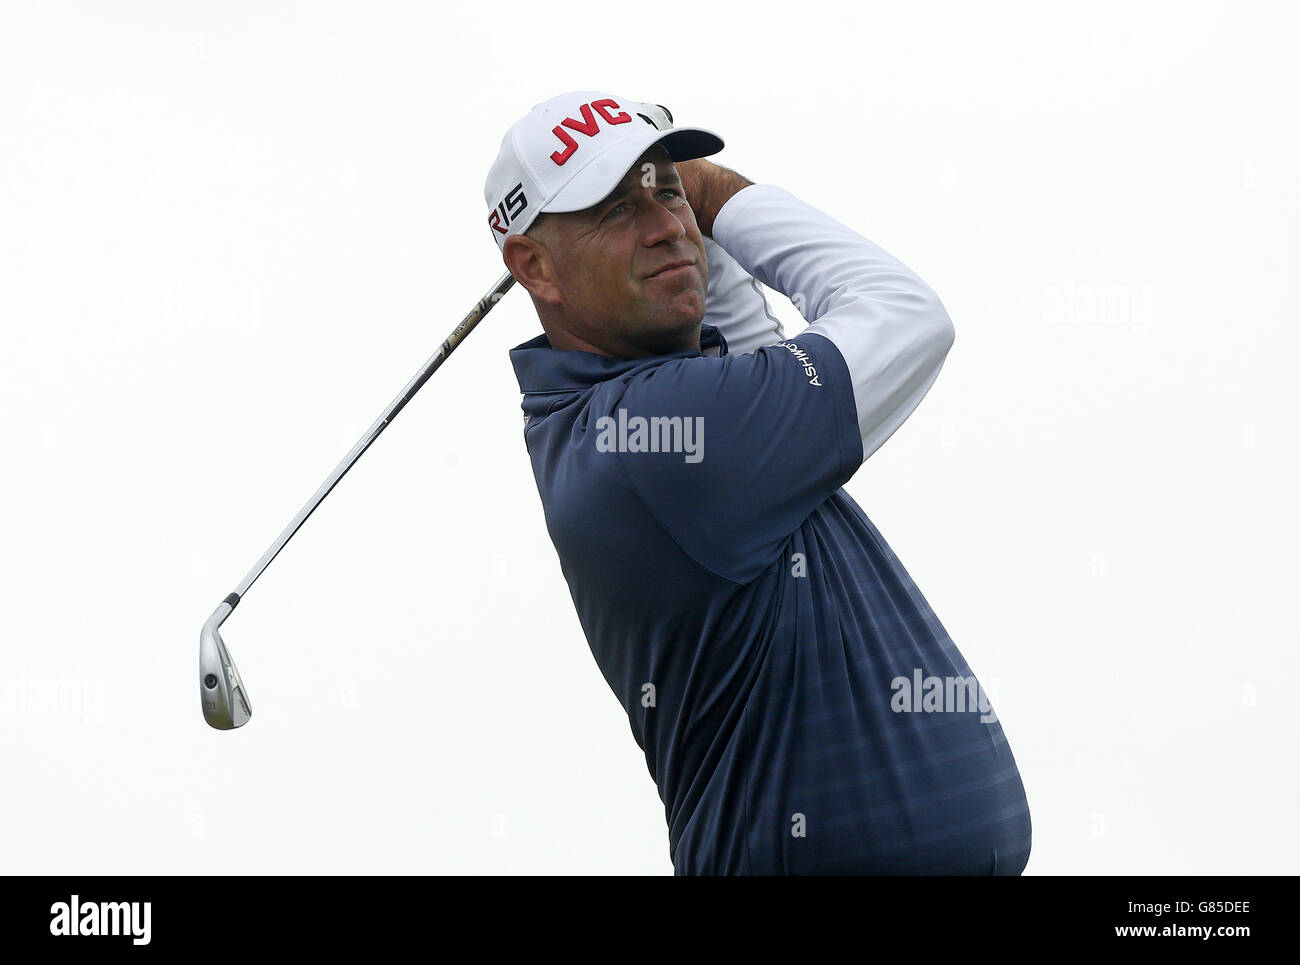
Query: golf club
{"points": [[222, 692]]}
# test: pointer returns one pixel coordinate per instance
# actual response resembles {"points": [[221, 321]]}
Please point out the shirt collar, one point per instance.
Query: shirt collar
{"points": [[542, 370]]}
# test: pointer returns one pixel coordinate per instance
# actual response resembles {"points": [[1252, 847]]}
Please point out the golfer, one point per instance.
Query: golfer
{"points": [[800, 706]]}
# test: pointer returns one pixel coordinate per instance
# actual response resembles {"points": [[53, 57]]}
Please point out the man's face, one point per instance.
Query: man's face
{"points": [[607, 265]]}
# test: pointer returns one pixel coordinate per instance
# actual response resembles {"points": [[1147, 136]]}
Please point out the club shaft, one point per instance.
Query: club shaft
{"points": [[448, 346]]}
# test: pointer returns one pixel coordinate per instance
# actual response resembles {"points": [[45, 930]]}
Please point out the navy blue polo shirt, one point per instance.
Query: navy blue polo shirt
{"points": [[754, 623]]}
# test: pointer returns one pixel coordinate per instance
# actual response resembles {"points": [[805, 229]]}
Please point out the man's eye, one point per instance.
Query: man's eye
{"points": [[614, 211]]}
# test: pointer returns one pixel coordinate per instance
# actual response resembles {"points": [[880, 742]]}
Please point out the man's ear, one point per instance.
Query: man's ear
{"points": [[531, 264]]}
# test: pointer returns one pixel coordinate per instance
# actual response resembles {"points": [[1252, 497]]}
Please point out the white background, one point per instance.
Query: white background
{"points": [[230, 232]]}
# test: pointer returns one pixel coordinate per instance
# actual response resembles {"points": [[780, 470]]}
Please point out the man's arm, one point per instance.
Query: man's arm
{"points": [[736, 304], [888, 325], [781, 428], [708, 187]]}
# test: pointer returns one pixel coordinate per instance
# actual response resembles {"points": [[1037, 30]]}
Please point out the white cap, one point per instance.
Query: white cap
{"points": [[571, 151]]}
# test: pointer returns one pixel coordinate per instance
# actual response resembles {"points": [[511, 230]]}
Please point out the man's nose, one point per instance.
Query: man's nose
{"points": [[662, 224]]}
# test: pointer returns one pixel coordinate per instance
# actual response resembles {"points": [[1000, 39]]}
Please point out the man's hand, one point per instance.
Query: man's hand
{"points": [[708, 187]]}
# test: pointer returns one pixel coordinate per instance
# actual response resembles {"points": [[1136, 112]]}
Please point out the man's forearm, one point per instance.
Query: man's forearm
{"points": [[888, 326], [708, 187]]}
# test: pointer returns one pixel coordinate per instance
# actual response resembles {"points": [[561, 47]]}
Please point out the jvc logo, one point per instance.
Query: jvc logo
{"points": [[508, 209], [102, 918], [587, 126]]}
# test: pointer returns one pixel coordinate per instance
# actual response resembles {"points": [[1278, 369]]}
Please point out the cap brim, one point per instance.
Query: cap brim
{"points": [[594, 183]]}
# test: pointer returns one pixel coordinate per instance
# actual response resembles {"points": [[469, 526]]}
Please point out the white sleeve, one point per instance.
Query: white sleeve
{"points": [[736, 305], [889, 326]]}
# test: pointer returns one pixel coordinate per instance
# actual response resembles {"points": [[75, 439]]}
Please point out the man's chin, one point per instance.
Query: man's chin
{"points": [[684, 309]]}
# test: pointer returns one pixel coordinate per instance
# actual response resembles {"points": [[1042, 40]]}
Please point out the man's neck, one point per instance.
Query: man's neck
{"points": [[567, 341]]}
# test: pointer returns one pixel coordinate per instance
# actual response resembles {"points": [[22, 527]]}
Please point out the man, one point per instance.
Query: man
{"points": [[774, 658]]}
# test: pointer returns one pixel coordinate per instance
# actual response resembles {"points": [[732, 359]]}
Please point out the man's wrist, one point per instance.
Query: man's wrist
{"points": [[713, 188]]}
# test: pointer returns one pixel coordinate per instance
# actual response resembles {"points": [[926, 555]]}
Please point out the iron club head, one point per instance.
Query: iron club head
{"points": [[225, 702]]}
